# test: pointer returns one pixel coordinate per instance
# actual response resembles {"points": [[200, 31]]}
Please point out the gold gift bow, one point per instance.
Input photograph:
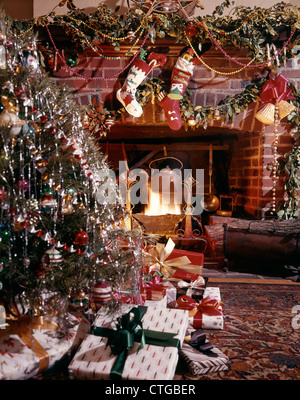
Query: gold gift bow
{"points": [[22, 327], [157, 255]]}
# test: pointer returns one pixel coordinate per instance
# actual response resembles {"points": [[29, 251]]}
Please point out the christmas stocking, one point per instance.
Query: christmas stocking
{"points": [[180, 78], [138, 72]]}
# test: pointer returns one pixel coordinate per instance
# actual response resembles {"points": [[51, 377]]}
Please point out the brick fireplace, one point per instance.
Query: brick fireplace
{"points": [[242, 150]]}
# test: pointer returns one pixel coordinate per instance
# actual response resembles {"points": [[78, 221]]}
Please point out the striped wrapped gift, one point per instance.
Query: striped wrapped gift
{"points": [[199, 363], [94, 358]]}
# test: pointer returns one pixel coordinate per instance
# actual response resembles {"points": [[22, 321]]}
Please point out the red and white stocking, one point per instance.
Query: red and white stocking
{"points": [[138, 72], [180, 78]]}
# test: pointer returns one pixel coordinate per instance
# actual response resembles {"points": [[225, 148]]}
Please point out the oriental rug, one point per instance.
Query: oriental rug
{"points": [[261, 334]]}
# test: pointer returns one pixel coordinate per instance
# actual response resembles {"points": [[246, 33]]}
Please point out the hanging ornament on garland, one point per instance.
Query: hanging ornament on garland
{"points": [[48, 202], [54, 256], [81, 238], [274, 96]]}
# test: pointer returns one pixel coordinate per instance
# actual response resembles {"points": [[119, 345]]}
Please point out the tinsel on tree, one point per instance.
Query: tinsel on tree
{"points": [[59, 232]]}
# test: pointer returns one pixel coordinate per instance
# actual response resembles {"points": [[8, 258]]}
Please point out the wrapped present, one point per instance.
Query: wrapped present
{"points": [[30, 345], [205, 314], [155, 287], [142, 344], [152, 287], [199, 356], [156, 303], [212, 291], [209, 314], [171, 262]]}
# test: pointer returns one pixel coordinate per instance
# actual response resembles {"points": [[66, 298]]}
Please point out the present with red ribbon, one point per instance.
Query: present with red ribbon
{"points": [[205, 314], [155, 287], [275, 93], [209, 314]]}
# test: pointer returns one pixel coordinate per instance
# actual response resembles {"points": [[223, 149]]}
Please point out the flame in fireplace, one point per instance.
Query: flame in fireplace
{"points": [[157, 206]]}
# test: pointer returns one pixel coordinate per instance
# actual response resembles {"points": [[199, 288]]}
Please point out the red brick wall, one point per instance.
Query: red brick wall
{"points": [[251, 153]]}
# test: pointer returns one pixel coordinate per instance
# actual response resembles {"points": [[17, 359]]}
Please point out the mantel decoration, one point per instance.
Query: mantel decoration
{"points": [[269, 36]]}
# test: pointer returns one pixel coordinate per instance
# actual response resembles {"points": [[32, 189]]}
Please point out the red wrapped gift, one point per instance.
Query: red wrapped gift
{"points": [[195, 258], [172, 262], [154, 289]]}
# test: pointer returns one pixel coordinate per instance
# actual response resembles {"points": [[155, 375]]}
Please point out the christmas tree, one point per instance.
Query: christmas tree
{"points": [[59, 234]]}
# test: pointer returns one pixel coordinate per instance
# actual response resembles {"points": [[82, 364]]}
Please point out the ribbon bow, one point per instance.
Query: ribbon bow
{"points": [[122, 339], [157, 256], [275, 92], [210, 306], [197, 284]]}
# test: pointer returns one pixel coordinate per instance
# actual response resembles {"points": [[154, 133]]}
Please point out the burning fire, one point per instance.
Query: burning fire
{"points": [[157, 206]]}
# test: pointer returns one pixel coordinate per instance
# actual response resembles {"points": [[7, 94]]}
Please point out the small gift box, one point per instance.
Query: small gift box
{"points": [[172, 262], [199, 356], [140, 343], [152, 287], [31, 345], [155, 287]]}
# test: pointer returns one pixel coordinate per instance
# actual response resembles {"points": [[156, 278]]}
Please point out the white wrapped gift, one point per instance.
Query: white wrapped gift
{"points": [[28, 349], [209, 317], [94, 358], [212, 291]]}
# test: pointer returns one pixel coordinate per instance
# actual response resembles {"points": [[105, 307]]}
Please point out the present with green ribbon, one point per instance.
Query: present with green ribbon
{"points": [[142, 343]]}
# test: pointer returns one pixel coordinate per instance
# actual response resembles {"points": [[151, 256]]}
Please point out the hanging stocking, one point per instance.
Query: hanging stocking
{"points": [[180, 78], [138, 72]]}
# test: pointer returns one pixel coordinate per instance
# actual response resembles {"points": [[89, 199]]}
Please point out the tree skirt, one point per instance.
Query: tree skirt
{"points": [[261, 334]]}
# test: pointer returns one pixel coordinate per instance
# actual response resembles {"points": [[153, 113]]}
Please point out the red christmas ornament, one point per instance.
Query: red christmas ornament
{"points": [[44, 119], [52, 130], [191, 30], [81, 238]]}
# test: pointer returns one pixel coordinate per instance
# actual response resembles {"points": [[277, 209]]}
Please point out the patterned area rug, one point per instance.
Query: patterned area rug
{"points": [[261, 334]]}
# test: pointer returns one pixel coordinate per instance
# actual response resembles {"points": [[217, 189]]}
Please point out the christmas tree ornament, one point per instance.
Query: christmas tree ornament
{"points": [[101, 294], [41, 164], [181, 75], [26, 262], [81, 238], [54, 256], [18, 305], [79, 300], [48, 202], [138, 72], [67, 205], [22, 185], [5, 235]]}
